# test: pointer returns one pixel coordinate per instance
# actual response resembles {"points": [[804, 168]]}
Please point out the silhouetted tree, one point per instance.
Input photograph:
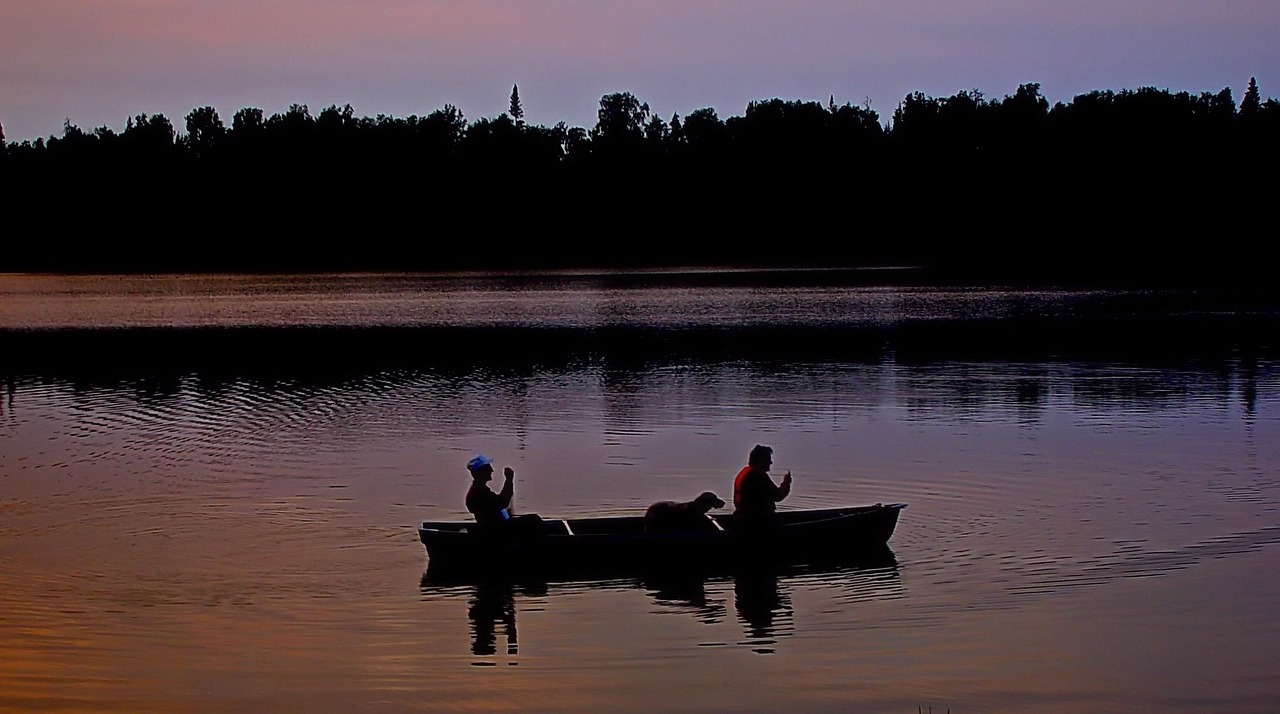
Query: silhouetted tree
{"points": [[1017, 126], [73, 149], [333, 120], [656, 132], [577, 142], [704, 132], [244, 143], [676, 129], [1154, 162], [1025, 107], [293, 124], [855, 138], [1221, 105], [441, 131], [491, 146], [792, 132], [621, 119], [1252, 102], [857, 121], [205, 131], [915, 117], [247, 121], [72, 134], [516, 111], [148, 137]]}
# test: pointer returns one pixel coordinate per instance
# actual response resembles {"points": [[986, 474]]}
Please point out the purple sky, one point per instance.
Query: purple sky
{"points": [[97, 62]]}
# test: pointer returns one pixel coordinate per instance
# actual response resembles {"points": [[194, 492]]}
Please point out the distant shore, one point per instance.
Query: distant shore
{"points": [[1136, 187]]}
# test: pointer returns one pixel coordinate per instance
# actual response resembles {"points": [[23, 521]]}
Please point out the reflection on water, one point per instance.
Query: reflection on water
{"points": [[765, 609], [223, 518], [672, 299], [492, 606], [758, 595], [684, 592]]}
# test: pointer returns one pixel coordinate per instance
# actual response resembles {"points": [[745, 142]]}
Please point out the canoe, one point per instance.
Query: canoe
{"points": [[621, 543]]}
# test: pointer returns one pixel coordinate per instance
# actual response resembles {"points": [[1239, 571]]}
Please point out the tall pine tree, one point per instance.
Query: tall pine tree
{"points": [[516, 111], [1252, 101]]}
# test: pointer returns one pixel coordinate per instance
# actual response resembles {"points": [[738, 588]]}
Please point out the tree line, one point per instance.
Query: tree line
{"points": [[1109, 182]]}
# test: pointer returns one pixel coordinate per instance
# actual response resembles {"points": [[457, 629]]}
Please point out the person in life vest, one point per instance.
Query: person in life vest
{"points": [[755, 495]]}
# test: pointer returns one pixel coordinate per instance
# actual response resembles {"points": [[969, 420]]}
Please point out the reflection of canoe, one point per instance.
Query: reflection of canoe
{"points": [[613, 544], [757, 593]]}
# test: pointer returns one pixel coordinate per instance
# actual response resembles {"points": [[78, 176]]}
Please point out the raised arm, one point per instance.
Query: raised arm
{"points": [[784, 489], [508, 488]]}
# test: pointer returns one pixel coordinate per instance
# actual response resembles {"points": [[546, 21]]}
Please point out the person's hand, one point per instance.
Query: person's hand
{"points": [[786, 478], [509, 473]]}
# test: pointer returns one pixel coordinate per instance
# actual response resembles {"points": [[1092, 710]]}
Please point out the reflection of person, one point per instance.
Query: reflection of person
{"points": [[494, 509], [755, 495], [492, 604], [763, 608]]}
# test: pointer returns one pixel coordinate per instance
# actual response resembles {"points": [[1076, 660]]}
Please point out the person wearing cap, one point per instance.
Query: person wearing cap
{"points": [[489, 508], [755, 495]]}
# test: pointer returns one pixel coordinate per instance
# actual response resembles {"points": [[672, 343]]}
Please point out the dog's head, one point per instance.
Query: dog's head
{"points": [[707, 501]]}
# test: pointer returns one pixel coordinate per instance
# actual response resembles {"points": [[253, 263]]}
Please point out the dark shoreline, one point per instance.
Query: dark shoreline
{"points": [[1057, 324], [333, 351], [1120, 188]]}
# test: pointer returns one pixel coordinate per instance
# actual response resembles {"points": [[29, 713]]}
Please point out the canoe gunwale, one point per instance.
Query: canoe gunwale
{"points": [[798, 537], [787, 519]]}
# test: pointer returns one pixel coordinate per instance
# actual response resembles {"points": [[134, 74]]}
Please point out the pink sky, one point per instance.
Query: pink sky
{"points": [[97, 62]]}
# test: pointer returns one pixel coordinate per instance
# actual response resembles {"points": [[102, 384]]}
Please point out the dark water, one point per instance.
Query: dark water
{"points": [[209, 489]]}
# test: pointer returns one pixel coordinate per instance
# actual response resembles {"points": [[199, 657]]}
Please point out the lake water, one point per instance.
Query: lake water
{"points": [[209, 489]]}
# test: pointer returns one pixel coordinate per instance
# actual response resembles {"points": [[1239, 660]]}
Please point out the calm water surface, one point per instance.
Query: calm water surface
{"points": [[1092, 523]]}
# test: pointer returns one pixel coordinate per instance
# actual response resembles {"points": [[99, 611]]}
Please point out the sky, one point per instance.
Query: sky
{"points": [[98, 62]]}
